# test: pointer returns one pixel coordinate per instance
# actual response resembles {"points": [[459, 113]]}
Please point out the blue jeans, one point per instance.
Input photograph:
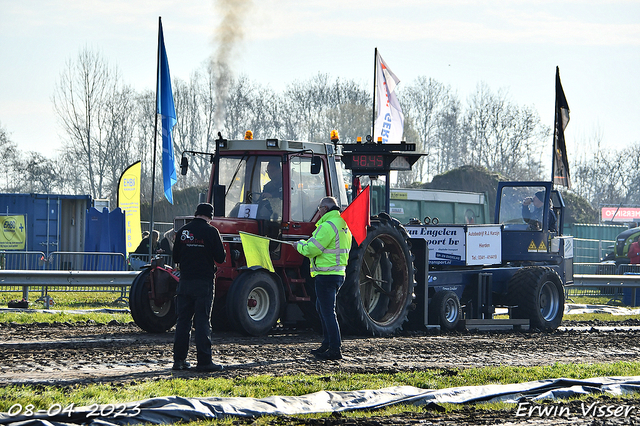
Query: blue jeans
{"points": [[196, 309], [327, 287]]}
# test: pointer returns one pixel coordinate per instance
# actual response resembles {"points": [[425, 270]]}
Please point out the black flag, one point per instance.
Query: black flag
{"points": [[560, 161]]}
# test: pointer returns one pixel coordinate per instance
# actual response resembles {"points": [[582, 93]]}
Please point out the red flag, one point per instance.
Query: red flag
{"points": [[357, 216]]}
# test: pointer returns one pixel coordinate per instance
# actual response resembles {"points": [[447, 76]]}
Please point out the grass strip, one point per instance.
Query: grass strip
{"points": [[42, 397]]}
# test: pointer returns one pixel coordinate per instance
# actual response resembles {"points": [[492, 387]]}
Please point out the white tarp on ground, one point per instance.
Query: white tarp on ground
{"points": [[172, 409], [573, 308]]}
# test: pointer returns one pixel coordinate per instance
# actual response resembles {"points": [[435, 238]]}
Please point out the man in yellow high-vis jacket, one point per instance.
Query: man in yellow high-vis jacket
{"points": [[328, 250]]}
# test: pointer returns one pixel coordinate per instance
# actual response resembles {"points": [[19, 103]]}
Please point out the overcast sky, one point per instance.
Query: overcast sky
{"points": [[512, 44]]}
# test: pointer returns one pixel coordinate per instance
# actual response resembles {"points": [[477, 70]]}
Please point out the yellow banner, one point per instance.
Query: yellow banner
{"points": [[129, 202], [256, 251], [14, 233]]}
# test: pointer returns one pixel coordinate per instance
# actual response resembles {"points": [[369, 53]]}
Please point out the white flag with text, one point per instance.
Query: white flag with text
{"points": [[389, 123]]}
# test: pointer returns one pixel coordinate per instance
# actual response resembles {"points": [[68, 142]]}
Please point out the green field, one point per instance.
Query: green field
{"points": [[43, 397]]}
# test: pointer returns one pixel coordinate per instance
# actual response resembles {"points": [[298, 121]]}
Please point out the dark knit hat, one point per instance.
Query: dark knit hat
{"points": [[540, 195], [204, 209]]}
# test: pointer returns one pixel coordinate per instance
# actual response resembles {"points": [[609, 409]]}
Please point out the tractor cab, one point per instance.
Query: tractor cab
{"points": [[272, 188], [532, 216]]}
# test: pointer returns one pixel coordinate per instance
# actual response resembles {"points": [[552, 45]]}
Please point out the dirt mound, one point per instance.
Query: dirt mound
{"points": [[469, 178], [479, 179]]}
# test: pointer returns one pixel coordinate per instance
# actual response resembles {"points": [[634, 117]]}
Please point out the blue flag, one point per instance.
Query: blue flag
{"points": [[167, 110]]}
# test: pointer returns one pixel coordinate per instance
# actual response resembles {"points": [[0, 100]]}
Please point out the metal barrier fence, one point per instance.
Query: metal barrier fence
{"points": [[614, 293], [618, 282], [51, 281], [42, 277], [588, 251], [86, 261], [22, 260], [605, 269], [63, 261]]}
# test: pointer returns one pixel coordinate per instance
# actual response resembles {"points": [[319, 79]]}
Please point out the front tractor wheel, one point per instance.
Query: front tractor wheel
{"points": [[152, 301], [378, 288], [538, 295], [254, 302]]}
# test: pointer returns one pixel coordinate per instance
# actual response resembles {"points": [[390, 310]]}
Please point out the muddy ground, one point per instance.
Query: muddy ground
{"points": [[71, 354]]}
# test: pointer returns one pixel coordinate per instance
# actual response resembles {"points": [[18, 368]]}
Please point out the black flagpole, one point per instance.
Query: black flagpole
{"points": [[555, 134], [373, 109]]}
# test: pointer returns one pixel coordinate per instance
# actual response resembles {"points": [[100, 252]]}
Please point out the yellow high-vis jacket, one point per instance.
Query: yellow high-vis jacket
{"points": [[329, 245]]}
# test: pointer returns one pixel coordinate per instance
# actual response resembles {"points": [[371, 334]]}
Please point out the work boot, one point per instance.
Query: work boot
{"points": [[209, 368], [181, 365], [323, 348], [330, 355]]}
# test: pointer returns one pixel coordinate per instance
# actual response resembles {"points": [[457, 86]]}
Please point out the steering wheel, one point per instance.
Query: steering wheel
{"points": [[265, 211]]}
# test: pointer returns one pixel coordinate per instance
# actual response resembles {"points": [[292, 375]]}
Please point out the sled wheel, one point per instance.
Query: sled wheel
{"points": [[378, 288], [445, 310], [254, 302], [153, 315], [538, 295]]}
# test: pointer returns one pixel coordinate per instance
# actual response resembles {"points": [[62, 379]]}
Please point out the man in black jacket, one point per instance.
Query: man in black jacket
{"points": [[197, 246], [533, 216]]}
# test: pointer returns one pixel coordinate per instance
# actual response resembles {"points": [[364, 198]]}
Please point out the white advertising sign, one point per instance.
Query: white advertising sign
{"points": [[446, 243], [484, 245]]}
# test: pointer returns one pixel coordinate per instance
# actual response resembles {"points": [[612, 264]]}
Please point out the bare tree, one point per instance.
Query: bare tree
{"points": [[70, 183], [349, 111], [604, 176], [93, 107], [425, 101], [189, 131], [144, 118], [9, 178], [315, 107], [40, 174], [452, 152], [502, 136]]}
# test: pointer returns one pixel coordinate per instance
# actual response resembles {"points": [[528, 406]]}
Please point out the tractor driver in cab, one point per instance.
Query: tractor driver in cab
{"points": [[533, 214], [273, 188], [270, 203]]}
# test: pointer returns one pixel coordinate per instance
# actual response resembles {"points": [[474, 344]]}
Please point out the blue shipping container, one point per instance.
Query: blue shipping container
{"points": [[53, 222]]}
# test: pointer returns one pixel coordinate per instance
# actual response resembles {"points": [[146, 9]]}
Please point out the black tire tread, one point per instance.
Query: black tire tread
{"points": [[351, 313], [436, 311], [523, 293], [141, 311]]}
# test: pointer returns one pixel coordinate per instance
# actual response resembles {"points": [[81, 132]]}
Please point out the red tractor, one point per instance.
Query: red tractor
{"points": [[272, 188]]}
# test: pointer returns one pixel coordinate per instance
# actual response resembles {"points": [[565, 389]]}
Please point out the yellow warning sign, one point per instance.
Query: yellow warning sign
{"points": [[542, 247], [13, 234], [532, 247]]}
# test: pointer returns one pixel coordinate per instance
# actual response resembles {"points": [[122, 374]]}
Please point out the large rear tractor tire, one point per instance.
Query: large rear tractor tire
{"points": [[153, 315], [538, 295], [378, 288], [254, 302], [445, 310]]}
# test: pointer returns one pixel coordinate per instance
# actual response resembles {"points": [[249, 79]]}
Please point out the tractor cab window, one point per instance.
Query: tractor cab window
{"points": [[306, 189], [522, 209], [253, 186]]}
